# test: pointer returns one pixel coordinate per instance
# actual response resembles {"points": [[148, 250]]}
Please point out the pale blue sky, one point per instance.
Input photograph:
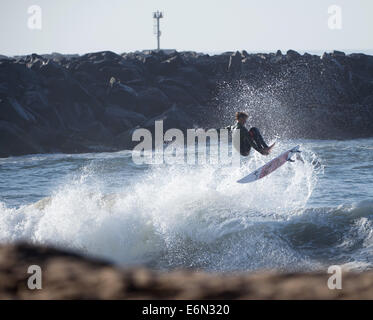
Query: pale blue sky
{"points": [[80, 26]]}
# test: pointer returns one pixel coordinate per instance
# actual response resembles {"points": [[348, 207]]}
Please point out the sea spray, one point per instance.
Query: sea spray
{"points": [[301, 217], [171, 216]]}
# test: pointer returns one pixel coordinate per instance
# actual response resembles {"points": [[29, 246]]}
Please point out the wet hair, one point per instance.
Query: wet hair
{"points": [[240, 115]]}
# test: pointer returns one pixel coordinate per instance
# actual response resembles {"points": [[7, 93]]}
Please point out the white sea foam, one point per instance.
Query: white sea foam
{"points": [[181, 216]]}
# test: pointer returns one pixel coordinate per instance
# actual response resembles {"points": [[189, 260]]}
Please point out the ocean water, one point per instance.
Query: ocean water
{"points": [[304, 216]]}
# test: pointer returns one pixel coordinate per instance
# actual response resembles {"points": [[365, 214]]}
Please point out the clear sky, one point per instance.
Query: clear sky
{"points": [[80, 26]]}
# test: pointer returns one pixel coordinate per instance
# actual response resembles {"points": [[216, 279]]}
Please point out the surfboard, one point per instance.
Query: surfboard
{"points": [[271, 166]]}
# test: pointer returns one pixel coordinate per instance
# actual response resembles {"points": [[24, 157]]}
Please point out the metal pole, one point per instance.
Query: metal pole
{"points": [[158, 34], [158, 15]]}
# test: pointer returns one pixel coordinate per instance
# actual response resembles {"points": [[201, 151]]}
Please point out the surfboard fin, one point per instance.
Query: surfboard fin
{"points": [[297, 152], [299, 157]]}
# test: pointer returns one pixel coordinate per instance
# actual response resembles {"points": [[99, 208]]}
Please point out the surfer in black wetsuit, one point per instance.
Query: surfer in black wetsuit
{"points": [[249, 138]]}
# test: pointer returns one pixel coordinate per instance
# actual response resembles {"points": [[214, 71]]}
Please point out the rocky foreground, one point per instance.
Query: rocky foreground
{"points": [[70, 276], [70, 103]]}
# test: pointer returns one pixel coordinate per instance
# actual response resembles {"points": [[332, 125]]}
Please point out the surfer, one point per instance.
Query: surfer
{"points": [[249, 138]]}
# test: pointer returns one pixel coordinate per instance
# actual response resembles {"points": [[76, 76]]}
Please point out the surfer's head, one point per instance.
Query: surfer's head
{"points": [[241, 117]]}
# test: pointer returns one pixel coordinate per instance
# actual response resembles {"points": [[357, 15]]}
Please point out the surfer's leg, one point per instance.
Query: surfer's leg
{"points": [[245, 152], [257, 137]]}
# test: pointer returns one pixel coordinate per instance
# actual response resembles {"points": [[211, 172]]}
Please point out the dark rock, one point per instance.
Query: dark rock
{"points": [[235, 62], [121, 95], [153, 101], [12, 111], [368, 101], [177, 94], [50, 139], [59, 57], [133, 117], [101, 56], [191, 75], [124, 139], [97, 133], [34, 61], [175, 117], [325, 56], [170, 66], [152, 64], [52, 69], [14, 141], [121, 73], [119, 119], [68, 275], [205, 65], [278, 57], [84, 102], [338, 53], [292, 55], [244, 54], [36, 100]]}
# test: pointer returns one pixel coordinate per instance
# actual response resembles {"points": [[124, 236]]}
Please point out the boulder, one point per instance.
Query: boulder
{"points": [[70, 96], [36, 100], [152, 101], [151, 64], [175, 117], [292, 55], [325, 56], [101, 56], [244, 54], [34, 61], [49, 139], [368, 101], [12, 111], [119, 119], [235, 62], [121, 73], [97, 133], [121, 94], [171, 65], [118, 112], [69, 90], [177, 94], [205, 64], [50, 69], [15, 141], [124, 139], [278, 57], [191, 75], [338, 53]]}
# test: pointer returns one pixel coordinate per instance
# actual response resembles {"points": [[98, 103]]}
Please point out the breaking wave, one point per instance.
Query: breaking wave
{"points": [[185, 216]]}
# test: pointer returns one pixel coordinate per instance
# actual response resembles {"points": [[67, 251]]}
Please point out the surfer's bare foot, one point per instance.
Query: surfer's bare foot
{"points": [[268, 150]]}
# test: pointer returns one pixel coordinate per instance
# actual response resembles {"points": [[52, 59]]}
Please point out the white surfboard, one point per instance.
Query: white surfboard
{"points": [[271, 166]]}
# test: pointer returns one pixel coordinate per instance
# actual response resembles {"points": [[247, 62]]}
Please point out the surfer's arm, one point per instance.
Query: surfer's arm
{"points": [[256, 141]]}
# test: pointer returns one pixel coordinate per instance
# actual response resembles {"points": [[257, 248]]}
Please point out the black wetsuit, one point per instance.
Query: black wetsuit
{"points": [[249, 138]]}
